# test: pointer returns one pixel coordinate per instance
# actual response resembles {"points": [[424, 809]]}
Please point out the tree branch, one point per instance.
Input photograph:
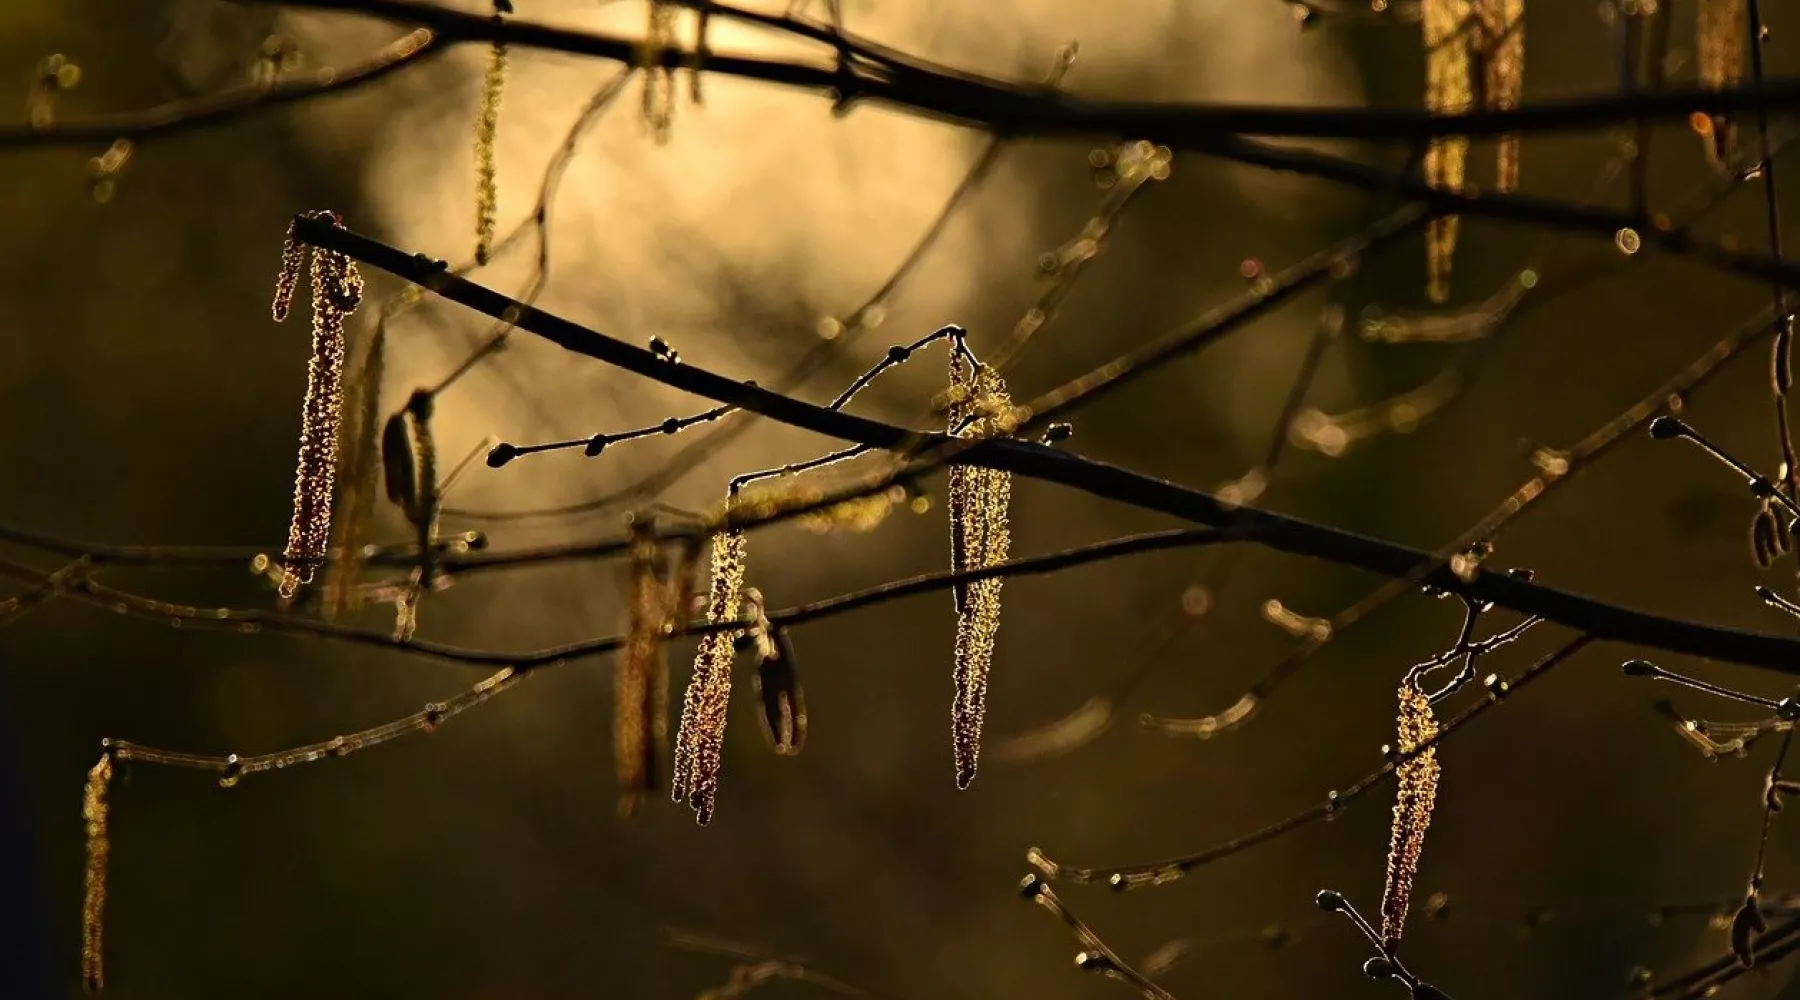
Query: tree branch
{"points": [[229, 105], [1276, 531], [913, 85]]}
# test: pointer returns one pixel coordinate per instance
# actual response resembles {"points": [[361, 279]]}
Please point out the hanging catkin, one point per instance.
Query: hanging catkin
{"points": [[93, 901], [487, 130], [978, 501], [337, 289], [1418, 781], [1448, 90], [359, 454], [641, 679], [659, 80], [701, 739], [1719, 41], [1501, 38]]}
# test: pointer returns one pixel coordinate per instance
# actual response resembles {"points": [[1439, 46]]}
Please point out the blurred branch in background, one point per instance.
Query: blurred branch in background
{"points": [[851, 69]]}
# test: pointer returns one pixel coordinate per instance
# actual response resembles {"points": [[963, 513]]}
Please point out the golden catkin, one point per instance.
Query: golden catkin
{"points": [[978, 501], [1418, 781], [1502, 40], [701, 739], [861, 514], [659, 80], [93, 902], [337, 289], [293, 255], [641, 679], [359, 453], [1720, 39], [487, 129], [1448, 89]]}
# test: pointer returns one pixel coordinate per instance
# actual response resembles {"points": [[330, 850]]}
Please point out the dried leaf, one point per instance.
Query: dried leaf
{"points": [[701, 739], [1418, 780], [1765, 537], [782, 699], [93, 903], [1745, 926], [1720, 40], [406, 609], [424, 513], [979, 407], [1448, 89], [399, 467], [641, 679], [337, 289]]}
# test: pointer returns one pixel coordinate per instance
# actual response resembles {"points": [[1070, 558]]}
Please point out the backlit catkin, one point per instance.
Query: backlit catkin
{"points": [[1418, 781], [701, 739], [979, 407], [337, 289]]}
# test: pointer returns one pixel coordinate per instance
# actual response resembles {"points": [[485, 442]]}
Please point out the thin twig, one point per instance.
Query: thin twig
{"points": [[1161, 872], [164, 120], [1099, 479], [890, 78]]}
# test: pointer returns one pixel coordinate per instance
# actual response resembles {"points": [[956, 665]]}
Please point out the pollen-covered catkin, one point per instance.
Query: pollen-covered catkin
{"points": [[487, 130], [1719, 42], [978, 502], [701, 739], [1502, 39], [93, 902], [1448, 89], [337, 289], [659, 80], [1418, 781], [641, 679]]}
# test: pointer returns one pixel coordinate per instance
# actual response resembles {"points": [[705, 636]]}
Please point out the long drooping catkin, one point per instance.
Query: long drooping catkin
{"points": [[337, 289], [93, 901], [1502, 41], [1418, 781], [1448, 89], [701, 740], [359, 451], [487, 130], [978, 502], [659, 80], [641, 679], [1719, 43]]}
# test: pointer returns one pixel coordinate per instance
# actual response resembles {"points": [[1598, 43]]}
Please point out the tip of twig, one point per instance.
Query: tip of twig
{"points": [[1380, 967], [1668, 428], [501, 454]]}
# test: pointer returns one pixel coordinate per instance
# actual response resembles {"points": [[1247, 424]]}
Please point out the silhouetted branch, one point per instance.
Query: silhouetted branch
{"points": [[1555, 467], [1601, 620], [414, 48], [73, 582], [888, 77], [1161, 872]]}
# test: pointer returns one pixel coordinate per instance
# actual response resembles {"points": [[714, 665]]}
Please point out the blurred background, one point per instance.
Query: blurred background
{"points": [[150, 399]]}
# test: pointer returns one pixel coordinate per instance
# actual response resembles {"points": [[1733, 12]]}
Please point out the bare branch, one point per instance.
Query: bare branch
{"points": [[413, 48]]}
